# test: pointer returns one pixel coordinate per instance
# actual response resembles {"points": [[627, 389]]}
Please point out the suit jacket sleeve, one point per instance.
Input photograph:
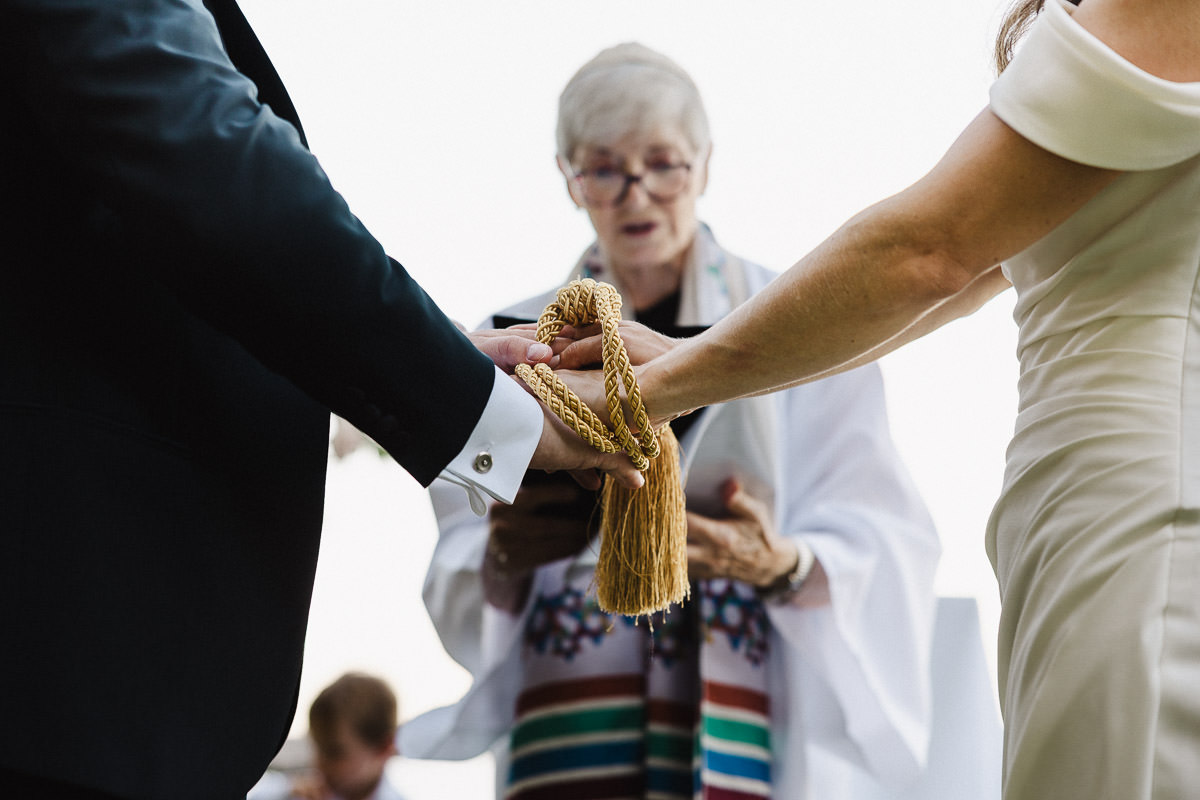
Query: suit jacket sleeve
{"points": [[236, 217]]}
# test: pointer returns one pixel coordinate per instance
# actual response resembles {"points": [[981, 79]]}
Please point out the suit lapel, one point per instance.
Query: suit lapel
{"points": [[247, 54]]}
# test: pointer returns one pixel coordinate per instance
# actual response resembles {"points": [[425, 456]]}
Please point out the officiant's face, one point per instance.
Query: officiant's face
{"points": [[640, 191]]}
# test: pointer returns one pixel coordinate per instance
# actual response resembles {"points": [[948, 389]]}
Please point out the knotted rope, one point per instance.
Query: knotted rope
{"points": [[642, 565]]}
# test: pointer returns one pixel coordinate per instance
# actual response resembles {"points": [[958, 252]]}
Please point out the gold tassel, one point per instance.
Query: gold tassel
{"points": [[642, 566]]}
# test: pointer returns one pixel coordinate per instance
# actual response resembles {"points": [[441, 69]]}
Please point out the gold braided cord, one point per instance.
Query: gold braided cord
{"points": [[567, 406], [583, 302], [642, 566]]}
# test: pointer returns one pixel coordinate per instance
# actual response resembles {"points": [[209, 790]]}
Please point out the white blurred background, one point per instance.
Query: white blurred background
{"points": [[436, 121]]}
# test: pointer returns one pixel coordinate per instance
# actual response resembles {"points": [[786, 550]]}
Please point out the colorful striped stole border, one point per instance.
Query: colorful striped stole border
{"points": [[733, 745], [600, 738]]}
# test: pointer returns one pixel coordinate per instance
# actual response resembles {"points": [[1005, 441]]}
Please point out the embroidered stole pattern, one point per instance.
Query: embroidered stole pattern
{"points": [[675, 710]]}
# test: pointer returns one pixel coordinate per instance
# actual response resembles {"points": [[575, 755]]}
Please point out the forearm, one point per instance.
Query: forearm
{"points": [[964, 303], [158, 133], [861, 293], [894, 272]]}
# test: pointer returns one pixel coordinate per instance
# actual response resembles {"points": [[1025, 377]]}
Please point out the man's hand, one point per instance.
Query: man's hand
{"points": [[561, 448], [511, 346]]}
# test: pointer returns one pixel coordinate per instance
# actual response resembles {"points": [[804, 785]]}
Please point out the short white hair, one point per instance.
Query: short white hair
{"points": [[624, 89]]}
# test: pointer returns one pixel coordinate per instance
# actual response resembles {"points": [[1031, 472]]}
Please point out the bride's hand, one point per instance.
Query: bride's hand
{"points": [[588, 385], [582, 347]]}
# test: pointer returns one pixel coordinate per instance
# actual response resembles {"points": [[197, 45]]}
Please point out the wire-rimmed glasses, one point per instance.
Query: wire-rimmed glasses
{"points": [[609, 186]]}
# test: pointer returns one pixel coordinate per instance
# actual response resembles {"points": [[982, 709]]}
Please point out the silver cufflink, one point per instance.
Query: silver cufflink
{"points": [[483, 462]]}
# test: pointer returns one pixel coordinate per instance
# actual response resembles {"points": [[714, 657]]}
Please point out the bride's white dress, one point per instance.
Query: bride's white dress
{"points": [[1096, 535]]}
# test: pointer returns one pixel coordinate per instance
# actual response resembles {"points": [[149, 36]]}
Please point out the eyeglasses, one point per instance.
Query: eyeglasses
{"points": [[608, 186]]}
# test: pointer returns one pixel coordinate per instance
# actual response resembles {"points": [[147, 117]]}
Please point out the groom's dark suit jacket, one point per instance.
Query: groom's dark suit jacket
{"points": [[183, 297]]}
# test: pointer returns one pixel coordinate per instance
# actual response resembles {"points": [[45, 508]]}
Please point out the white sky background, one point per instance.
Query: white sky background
{"points": [[436, 121]]}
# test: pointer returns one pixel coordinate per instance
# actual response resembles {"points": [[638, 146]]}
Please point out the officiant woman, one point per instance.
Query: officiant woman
{"points": [[812, 559]]}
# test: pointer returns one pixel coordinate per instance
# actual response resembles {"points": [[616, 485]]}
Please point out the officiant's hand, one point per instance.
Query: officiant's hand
{"points": [[551, 518], [743, 545]]}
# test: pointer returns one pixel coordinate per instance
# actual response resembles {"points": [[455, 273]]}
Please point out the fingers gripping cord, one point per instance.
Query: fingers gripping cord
{"points": [[583, 302], [642, 566]]}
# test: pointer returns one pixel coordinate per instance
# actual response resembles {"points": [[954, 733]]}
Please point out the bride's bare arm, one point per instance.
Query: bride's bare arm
{"points": [[925, 256], [892, 273]]}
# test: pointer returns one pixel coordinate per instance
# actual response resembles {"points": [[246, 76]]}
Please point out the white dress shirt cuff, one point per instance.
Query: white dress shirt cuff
{"points": [[498, 451]]}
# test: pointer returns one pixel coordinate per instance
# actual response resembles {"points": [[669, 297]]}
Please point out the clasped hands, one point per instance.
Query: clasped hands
{"points": [[572, 353], [551, 519]]}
